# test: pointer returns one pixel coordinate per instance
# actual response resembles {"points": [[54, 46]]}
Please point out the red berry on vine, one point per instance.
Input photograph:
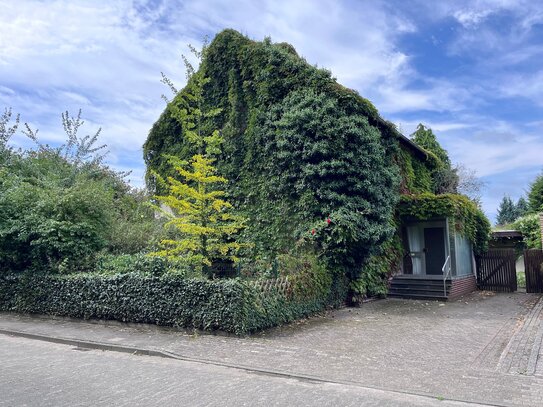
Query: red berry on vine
{"points": [[313, 231], [328, 220]]}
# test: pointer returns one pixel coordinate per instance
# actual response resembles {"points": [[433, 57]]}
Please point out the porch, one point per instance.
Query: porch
{"points": [[438, 264]]}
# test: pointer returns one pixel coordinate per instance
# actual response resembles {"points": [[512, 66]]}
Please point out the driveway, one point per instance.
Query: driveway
{"points": [[483, 348]]}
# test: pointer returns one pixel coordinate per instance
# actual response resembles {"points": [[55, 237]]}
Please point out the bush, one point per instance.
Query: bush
{"points": [[231, 305], [531, 230], [162, 300], [60, 206], [140, 263], [48, 223]]}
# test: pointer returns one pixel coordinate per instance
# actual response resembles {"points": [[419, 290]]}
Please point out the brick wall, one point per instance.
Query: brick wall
{"points": [[462, 286]]}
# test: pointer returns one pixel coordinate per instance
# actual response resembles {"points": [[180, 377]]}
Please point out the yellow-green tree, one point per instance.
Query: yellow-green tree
{"points": [[198, 209], [200, 213]]}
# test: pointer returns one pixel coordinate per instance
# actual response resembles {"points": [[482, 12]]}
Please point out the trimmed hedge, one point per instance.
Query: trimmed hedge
{"points": [[234, 306]]}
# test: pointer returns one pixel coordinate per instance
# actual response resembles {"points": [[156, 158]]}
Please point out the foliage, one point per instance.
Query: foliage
{"points": [[50, 217], [201, 216], [197, 206], [373, 280], [425, 138], [309, 276], [60, 206], [521, 279], [6, 132], [297, 148], [530, 228], [163, 300], [140, 263], [133, 227], [416, 174], [463, 213], [445, 178], [522, 207], [230, 305], [535, 195], [507, 211]]}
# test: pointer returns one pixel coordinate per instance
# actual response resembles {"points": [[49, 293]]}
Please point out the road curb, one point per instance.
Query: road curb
{"points": [[87, 344], [165, 354]]}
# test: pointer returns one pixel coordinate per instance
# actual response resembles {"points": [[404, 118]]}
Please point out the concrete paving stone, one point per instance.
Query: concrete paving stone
{"points": [[462, 350]]}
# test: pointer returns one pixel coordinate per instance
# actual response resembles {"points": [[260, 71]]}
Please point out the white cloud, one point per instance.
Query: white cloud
{"points": [[527, 85], [471, 18], [492, 153], [106, 57]]}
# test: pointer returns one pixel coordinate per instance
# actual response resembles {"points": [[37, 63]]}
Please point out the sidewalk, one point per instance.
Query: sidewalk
{"points": [[455, 350]]}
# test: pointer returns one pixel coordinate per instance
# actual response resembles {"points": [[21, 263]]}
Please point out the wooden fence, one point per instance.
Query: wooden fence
{"points": [[533, 260], [496, 270]]}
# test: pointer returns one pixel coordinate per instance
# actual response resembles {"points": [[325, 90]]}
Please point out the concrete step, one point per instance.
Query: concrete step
{"points": [[419, 296]]}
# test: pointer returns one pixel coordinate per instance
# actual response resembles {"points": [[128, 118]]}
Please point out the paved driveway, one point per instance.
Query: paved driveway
{"points": [[483, 348]]}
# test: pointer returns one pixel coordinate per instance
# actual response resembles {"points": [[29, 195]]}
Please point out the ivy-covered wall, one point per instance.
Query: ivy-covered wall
{"points": [[299, 148], [309, 160]]}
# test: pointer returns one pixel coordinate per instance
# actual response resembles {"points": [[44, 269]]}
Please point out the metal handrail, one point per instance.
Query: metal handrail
{"points": [[447, 261]]}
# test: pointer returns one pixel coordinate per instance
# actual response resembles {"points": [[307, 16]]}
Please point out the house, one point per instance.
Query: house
{"points": [[438, 234], [310, 161]]}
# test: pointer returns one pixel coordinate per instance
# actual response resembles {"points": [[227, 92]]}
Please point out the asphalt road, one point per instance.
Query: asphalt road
{"points": [[36, 373]]}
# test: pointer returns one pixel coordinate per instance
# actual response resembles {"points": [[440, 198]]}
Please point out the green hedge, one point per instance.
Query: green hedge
{"points": [[234, 306]]}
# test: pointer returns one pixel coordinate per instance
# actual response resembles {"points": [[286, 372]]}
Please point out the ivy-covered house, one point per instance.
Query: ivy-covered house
{"points": [[440, 233], [311, 163]]}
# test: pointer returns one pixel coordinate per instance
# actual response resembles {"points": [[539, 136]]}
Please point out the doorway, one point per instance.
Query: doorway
{"points": [[427, 247]]}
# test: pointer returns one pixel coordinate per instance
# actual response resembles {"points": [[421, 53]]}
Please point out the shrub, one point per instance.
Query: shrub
{"points": [[49, 225], [60, 206], [141, 263], [531, 230], [133, 297], [231, 305]]}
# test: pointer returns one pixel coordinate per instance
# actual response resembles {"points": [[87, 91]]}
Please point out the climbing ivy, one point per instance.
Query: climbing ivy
{"points": [[298, 148], [464, 214]]}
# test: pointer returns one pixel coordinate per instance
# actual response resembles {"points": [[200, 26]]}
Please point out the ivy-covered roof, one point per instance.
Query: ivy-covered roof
{"points": [[467, 218]]}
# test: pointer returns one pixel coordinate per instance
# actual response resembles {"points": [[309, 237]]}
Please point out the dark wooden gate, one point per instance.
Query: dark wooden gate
{"points": [[496, 270], [533, 260]]}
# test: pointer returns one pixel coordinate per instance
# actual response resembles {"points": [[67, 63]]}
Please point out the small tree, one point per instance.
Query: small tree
{"points": [[199, 211], [522, 208], [201, 215], [507, 212]]}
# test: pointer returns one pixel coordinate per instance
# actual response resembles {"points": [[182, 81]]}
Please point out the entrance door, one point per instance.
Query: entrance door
{"points": [[434, 248]]}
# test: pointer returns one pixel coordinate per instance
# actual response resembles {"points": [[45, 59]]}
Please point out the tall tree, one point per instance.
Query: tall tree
{"points": [[522, 208], [535, 195], [445, 178], [198, 209], [425, 137], [507, 212], [200, 214]]}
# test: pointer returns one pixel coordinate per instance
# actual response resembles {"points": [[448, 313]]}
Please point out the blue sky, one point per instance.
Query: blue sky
{"points": [[471, 70]]}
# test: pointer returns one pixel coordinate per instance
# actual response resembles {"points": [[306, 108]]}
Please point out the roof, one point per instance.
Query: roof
{"points": [[506, 234], [412, 146]]}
